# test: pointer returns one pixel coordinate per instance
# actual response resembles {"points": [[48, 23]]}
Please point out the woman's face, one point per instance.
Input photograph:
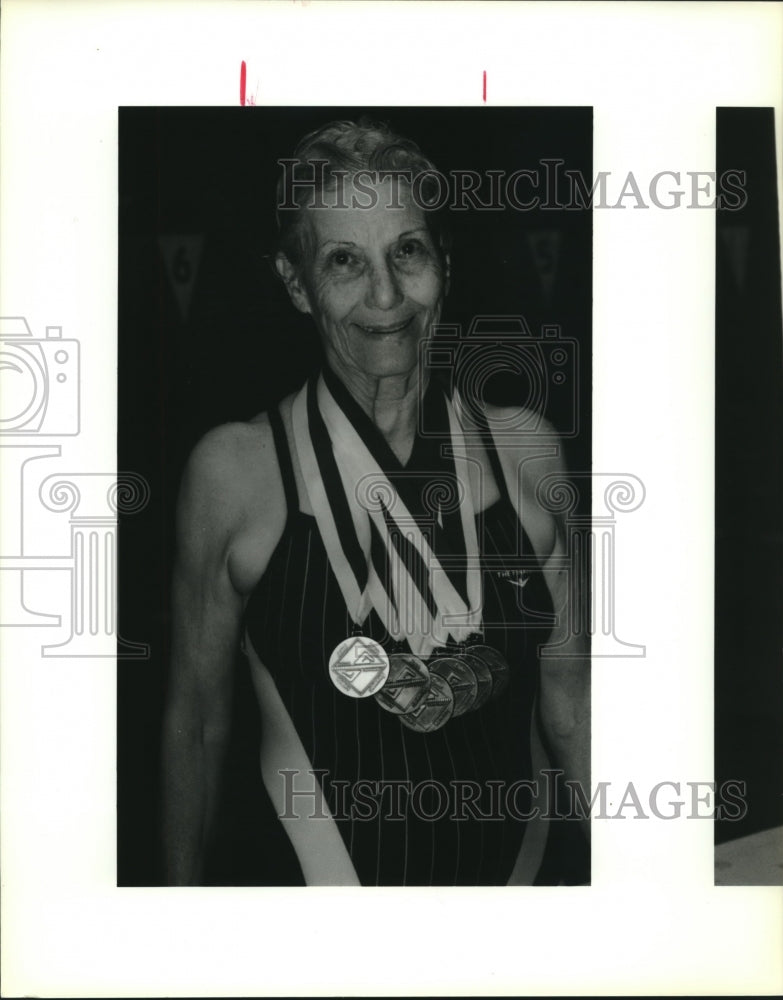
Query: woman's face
{"points": [[373, 281]]}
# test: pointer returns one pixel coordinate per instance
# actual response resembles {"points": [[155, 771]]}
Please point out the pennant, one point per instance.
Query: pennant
{"points": [[545, 246], [182, 256]]}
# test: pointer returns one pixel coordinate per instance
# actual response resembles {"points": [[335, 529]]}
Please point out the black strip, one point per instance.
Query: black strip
{"points": [[365, 428], [380, 558], [438, 431], [414, 562], [327, 465], [284, 460], [450, 539], [494, 459], [748, 538]]}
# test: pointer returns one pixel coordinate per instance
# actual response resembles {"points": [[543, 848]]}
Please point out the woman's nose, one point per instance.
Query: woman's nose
{"points": [[384, 291]]}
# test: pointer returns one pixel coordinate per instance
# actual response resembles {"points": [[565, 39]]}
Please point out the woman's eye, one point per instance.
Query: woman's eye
{"points": [[343, 263], [341, 259], [410, 248]]}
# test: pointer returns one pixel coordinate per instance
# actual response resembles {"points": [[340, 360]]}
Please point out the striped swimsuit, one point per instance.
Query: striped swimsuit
{"points": [[442, 808]]}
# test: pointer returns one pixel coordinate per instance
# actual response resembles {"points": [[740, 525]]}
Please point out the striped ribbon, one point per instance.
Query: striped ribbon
{"points": [[377, 550]]}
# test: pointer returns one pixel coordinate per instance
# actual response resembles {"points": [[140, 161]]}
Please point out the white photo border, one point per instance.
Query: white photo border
{"points": [[652, 921]]}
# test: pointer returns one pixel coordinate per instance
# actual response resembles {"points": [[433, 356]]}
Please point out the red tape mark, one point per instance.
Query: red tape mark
{"points": [[243, 83], [485, 86]]}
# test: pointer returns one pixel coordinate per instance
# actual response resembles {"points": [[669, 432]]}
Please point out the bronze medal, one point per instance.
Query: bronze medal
{"points": [[457, 670], [498, 666], [359, 667], [406, 686], [435, 709]]}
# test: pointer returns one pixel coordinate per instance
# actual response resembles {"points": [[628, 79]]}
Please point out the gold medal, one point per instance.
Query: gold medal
{"points": [[359, 667], [435, 709], [407, 685]]}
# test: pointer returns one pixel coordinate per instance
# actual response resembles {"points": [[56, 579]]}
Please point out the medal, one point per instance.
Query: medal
{"points": [[483, 676], [497, 664], [435, 709], [458, 673], [384, 559], [359, 666], [363, 508], [407, 685]]}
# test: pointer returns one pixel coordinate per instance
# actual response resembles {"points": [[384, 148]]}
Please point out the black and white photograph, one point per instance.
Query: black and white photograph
{"points": [[434, 326], [391, 400]]}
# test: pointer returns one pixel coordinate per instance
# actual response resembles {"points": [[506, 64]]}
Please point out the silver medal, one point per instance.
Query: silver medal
{"points": [[359, 667], [434, 711], [498, 666], [483, 676], [407, 684], [458, 671]]}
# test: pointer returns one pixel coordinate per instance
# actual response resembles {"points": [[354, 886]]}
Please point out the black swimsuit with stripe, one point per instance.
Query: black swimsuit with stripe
{"points": [[442, 808]]}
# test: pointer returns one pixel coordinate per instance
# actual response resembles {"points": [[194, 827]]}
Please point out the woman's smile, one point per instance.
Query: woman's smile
{"points": [[377, 329], [374, 283]]}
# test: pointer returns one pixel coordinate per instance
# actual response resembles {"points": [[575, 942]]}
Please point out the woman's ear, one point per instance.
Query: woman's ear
{"points": [[293, 282], [447, 281]]}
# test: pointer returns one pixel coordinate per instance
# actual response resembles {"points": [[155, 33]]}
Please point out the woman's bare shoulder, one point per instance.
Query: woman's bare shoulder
{"points": [[243, 449], [530, 451], [232, 453], [520, 427], [231, 475], [522, 434]]}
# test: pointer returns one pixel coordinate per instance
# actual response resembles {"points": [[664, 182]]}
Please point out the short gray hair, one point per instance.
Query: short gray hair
{"points": [[345, 148]]}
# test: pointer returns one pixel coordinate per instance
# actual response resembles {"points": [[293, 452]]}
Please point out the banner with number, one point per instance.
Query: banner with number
{"points": [[181, 256]]}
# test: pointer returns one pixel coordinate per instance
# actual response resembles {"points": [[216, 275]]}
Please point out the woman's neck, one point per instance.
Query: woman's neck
{"points": [[390, 401]]}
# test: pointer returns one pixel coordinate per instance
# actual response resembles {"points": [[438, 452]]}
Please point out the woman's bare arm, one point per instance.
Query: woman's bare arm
{"points": [[565, 661], [206, 619]]}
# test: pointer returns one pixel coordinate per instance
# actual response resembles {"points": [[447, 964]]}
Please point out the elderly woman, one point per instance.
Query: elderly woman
{"points": [[387, 566]]}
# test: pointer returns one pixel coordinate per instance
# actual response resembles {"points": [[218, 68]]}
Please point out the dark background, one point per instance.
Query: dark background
{"points": [[749, 477], [191, 177]]}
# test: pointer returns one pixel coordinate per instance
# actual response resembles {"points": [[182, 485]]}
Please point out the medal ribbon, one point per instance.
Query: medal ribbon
{"points": [[467, 514], [348, 560], [437, 611]]}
